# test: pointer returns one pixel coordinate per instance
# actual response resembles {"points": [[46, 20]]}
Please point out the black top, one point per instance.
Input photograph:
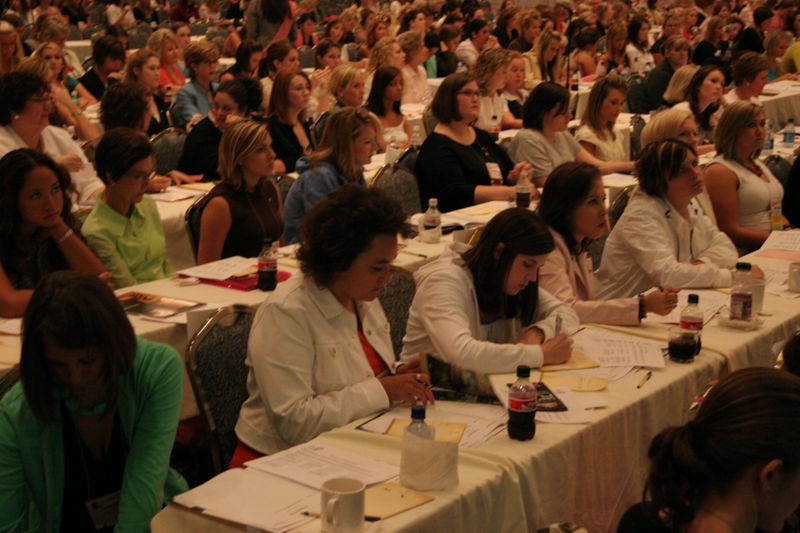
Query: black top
{"points": [[201, 151], [503, 38], [751, 40], [86, 477], [254, 217], [93, 84], [25, 268], [704, 53], [285, 143], [450, 171], [446, 63], [157, 126], [656, 48], [655, 84], [520, 45]]}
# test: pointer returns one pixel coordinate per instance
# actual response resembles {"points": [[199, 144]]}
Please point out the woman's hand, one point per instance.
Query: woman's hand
{"points": [[557, 350], [409, 388], [661, 302], [532, 335], [71, 162], [179, 178], [158, 184], [409, 366]]}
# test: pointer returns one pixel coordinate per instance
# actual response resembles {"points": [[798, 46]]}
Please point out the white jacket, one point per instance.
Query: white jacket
{"points": [[652, 245], [444, 320], [308, 371]]}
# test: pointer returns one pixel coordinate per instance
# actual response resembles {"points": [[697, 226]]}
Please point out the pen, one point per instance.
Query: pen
{"points": [[645, 379], [699, 399], [558, 324], [367, 518]]}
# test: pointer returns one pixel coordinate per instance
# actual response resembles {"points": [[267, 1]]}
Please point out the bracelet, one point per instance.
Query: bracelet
{"points": [[77, 112], [66, 236], [642, 312]]}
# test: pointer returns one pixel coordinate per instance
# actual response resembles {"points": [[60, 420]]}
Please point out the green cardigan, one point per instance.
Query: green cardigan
{"points": [[32, 452]]}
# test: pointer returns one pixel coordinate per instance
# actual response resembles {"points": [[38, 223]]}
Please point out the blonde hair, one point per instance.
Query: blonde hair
{"points": [[7, 28], [39, 52], [137, 60], [380, 55], [614, 31], [239, 141], [157, 39], [679, 83], [712, 26], [489, 61], [664, 125], [735, 117], [528, 18], [410, 41], [773, 39], [342, 77], [37, 66], [551, 72], [336, 145]]}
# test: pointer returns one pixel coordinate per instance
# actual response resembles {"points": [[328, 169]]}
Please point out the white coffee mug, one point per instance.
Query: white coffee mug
{"points": [[758, 295], [794, 277], [342, 505]]}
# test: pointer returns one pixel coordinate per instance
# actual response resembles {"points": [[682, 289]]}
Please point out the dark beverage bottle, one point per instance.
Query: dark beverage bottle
{"points": [[682, 349], [522, 406], [692, 319], [268, 266]]}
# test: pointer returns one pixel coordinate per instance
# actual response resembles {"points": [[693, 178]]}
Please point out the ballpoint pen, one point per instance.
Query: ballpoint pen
{"points": [[645, 379], [558, 324]]}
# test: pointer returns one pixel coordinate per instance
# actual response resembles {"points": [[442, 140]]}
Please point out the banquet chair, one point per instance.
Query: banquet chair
{"points": [[91, 31], [408, 159], [74, 34], [167, 148], [401, 184], [191, 222], [215, 361], [428, 121], [636, 99], [199, 28], [307, 57], [284, 183], [395, 298], [619, 204]]}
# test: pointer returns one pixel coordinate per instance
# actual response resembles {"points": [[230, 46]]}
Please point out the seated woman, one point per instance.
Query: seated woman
{"points": [[704, 99], [676, 52], [573, 205], [384, 102], [165, 44], [614, 59], [675, 92], [25, 106], [143, 69], [734, 467], [710, 49], [233, 100], [415, 79], [596, 134], [746, 196], [514, 91], [545, 142], [245, 207], [776, 44], [248, 56], [480, 309], [193, 101], [327, 56], [280, 56], [543, 62], [347, 243], [288, 120], [54, 55], [749, 72], [584, 57], [459, 164], [663, 239], [387, 52], [636, 51], [93, 417], [39, 235], [124, 228], [347, 145], [346, 87], [491, 70]]}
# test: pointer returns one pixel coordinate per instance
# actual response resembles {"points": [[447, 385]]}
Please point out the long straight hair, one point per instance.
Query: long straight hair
{"points": [[336, 145]]}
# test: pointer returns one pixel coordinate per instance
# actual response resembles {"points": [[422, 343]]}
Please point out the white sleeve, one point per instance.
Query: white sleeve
{"points": [[85, 181], [548, 307], [443, 306]]}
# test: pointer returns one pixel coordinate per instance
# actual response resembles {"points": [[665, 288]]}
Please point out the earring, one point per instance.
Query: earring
{"points": [[15, 116]]}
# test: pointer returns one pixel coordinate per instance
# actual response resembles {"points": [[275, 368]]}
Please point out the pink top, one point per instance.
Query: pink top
{"points": [[171, 76]]}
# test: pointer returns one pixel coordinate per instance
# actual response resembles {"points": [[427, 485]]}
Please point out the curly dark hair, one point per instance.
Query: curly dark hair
{"points": [[342, 226], [123, 105], [16, 88], [119, 149]]}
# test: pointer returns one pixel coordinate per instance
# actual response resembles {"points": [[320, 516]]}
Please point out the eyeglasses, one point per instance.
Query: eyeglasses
{"points": [[144, 176], [46, 98], [470, 94]]}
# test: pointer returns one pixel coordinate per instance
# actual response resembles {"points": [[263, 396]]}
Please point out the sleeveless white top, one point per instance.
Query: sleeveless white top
{"points": [[755, 195]]}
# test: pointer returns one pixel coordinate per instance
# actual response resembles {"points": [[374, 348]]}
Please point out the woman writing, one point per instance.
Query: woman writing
{"points": [[663, 238], [573, 206], [297, 388], [93, 418], [38, 234], [459, 164], [124, 228], [288, 123], [346, 146], [545, 142], [480, 309], [746, 196], [245, 208]]}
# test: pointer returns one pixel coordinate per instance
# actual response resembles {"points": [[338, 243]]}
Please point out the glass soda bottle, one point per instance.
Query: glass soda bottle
{"points": [[692, 318], [522, 397], [430, 224], [268, 266], [524, 189]]}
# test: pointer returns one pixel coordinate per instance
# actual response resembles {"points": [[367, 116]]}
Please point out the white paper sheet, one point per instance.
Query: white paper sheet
{"points": [[312, 464], [777, 283], [618, 181], [612, 374], [220, 270], [611, 348], [174, 194], [578, 405], [482, 421], [11, 326], [253, 498], [183, 318], [783, 240], [710, 303]]}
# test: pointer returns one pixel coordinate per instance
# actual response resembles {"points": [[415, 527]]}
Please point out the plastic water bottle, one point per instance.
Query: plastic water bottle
{"points": [[430, 224], [769, 142], [414, 454], [416, 133], [788, 132], [393, 151], [524, 189], [418, 427], [268, 266], [522, 397], [742, 293], [692, 318]]}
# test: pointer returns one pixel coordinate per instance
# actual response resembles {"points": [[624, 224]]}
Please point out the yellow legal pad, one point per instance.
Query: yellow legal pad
{"points": [[388, 499], [445, 431], [577, 361], [575, 383]]}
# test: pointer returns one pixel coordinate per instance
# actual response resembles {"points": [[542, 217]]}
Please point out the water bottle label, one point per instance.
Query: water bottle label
{"points": [[741, 306]]}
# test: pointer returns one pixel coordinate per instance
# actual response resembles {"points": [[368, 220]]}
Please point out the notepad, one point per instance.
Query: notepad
{"points": [[445, 431], [389, 499], [578, 360]]}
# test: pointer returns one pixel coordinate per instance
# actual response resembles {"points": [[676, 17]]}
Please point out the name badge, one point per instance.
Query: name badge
{"points": [[495, 175], [103, 510]]}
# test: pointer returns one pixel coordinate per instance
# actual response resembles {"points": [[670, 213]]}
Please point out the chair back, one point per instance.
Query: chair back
{"points": [[73, 33], [167, 148], [199, 28], [400, 184], [779, 167], [637, 127], [429, 121], [191, 222], [408, 159], [636, 100], [90, 149], [307, 57], [319, 127], [284, 183], [91, 31], [395, 298], [137, 37], [215, 361], [619, 204]]}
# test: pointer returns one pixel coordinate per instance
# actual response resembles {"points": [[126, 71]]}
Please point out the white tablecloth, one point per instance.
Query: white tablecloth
{"points": [[783, 106]]}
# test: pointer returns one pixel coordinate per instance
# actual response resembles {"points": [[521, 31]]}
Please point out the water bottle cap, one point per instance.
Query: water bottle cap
{"points": [[523, 371], [433, 202], [694, 299], [417, 412], [744, 266]]}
